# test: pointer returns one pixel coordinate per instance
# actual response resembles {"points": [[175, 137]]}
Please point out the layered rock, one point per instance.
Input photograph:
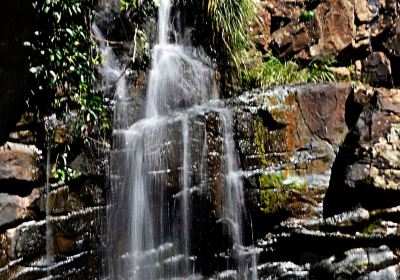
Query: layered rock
{"points": [[290, 139]]}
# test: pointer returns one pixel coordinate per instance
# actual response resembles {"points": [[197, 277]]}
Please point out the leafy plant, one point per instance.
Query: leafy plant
{"points": [[62, 61], [276, 72]]}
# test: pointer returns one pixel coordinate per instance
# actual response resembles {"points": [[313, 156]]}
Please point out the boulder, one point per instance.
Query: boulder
{"points": [[392, 45], [336, 28], [19, 162], [366, 170], [377, 70]]}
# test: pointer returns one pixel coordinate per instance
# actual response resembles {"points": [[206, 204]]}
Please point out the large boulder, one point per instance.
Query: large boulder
{"points": [[287, 138]]}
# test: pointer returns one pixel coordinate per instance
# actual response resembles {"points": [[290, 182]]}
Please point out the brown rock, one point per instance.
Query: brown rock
{"points": [[18, 162], [365, 11], [324, 111], [291, 39], [377, 70], [300, 126], [336, 28]]}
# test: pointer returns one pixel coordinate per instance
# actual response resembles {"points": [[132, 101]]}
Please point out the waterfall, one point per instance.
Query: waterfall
{"points": [[160, 164]]}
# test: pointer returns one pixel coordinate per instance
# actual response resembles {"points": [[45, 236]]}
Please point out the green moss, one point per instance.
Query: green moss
{"points": [[274, 191], [273, 180], [273, 200], [272, 195]]}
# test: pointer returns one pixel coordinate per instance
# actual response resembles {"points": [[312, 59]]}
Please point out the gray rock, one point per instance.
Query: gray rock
{"points": [[14, 208]]}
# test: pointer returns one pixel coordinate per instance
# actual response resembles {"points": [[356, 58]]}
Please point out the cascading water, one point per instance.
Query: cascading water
{"points": [[159, 163]]}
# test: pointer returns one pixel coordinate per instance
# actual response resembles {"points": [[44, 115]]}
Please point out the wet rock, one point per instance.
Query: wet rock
{"points": [[69, 199], [355, 263], [19, 162], [64, 235], [26, 240], [14, 208], [377, 70], [366, 169], [388, 273], [94, 160], [283, 270]]}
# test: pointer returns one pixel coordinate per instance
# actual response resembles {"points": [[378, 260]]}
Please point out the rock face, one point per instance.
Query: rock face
{"points": [[288, 138], [369, 159], [295, 142], [359, 264], [50, 233], [14, 208]]}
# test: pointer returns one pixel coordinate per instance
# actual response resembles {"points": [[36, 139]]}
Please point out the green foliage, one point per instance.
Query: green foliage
{"points": [[307, 16], [275, 72], [138, 11], [62, 65]]}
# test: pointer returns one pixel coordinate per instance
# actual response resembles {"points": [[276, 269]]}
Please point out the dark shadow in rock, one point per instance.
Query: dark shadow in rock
{"points": [[339, 197], [16, 187], [353, 111], [16, 27], [268, 121]]}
